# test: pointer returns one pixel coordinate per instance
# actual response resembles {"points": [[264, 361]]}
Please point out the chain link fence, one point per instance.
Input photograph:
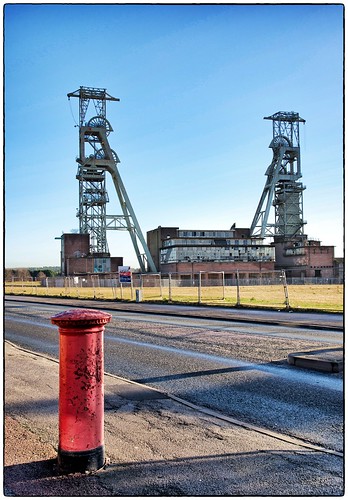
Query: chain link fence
{"points": [[270, 289]]}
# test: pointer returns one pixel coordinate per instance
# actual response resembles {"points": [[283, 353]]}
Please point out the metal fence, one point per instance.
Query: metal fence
{"points": [[269, 289], [152, 280]]}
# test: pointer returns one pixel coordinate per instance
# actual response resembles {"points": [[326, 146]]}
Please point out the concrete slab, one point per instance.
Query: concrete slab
{"points": [[326, 360]]}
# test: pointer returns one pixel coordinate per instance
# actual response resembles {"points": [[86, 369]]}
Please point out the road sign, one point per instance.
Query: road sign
{"points": [[125, 274]]}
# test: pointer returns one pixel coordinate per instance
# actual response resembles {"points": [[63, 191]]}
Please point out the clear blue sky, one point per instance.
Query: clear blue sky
{"points": [[195, 82]]}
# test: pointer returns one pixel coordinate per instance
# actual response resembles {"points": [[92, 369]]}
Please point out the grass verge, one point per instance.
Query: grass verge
{"points": [[324, 298]]}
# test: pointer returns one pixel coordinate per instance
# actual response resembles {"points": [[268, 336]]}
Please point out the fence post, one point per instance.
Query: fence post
{"points": [[238, 291], [199, 287], [93, 285], [160, 278], [81, 389], [116, 283], [285, 285], [141, 284], [223, 285], [170, 287]]}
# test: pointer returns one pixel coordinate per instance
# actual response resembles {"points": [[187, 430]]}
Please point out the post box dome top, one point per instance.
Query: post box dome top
{"points": [[79, 317]]}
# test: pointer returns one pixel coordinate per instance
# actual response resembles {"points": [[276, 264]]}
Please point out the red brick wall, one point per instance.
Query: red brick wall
{"points": [[321, 259], [75, 243], [83, 265], [315, 258], [115, 262], [227, 267]]}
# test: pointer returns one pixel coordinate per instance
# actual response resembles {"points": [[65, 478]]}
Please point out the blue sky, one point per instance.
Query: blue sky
{"points": [[195, 82]]}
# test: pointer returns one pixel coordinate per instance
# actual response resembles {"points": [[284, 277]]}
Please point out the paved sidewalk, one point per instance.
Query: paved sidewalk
{"points": [[156, 446]]}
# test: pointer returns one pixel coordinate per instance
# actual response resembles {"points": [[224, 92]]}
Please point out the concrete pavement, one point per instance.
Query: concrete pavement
{"points": [[156, 445]]}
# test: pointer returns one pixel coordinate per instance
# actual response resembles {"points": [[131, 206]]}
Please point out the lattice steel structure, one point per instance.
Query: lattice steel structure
{"points": [[282, 188], [95, 159]]}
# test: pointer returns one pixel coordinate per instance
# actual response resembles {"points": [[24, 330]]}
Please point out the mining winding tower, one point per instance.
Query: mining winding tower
{"points": [[282, 189], [95, 159]]}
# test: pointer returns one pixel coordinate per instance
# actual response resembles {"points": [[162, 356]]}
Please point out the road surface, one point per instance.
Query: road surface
{"points": [[238, 369]]}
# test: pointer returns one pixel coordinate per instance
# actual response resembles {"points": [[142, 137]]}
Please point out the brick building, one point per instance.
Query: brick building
{"points": [[305, 258], [192, 251], [77, 260]]}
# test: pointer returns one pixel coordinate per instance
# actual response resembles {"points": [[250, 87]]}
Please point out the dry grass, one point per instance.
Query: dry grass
{"points": [[328, 297], [308, 297]]}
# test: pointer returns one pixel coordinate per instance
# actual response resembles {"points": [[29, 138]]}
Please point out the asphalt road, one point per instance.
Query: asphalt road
{"points": [[239, 369]]}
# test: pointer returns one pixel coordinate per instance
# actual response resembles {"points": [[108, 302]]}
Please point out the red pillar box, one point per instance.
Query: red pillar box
{"points": [[81, 389]]}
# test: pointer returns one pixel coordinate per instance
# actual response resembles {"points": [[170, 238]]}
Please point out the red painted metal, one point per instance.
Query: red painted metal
{"points": [[81, 388]]}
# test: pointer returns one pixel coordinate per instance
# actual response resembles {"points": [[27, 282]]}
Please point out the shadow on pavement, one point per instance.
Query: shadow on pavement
{"points": [[200, 373], [245, 473], [41, 478], [251, 473]]}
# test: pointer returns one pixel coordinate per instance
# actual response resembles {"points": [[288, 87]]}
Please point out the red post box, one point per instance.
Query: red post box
{"points": [[81, 389]]}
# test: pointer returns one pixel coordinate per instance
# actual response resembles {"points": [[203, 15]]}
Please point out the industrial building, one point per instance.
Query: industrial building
{"points": [[191, 251], [76, 258], [306, 258], [266, 246]]}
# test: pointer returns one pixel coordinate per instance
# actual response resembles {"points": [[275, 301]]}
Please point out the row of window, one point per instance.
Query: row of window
{"points": [[213, 242], [207, 234], [182, 254], [321, 267]]}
